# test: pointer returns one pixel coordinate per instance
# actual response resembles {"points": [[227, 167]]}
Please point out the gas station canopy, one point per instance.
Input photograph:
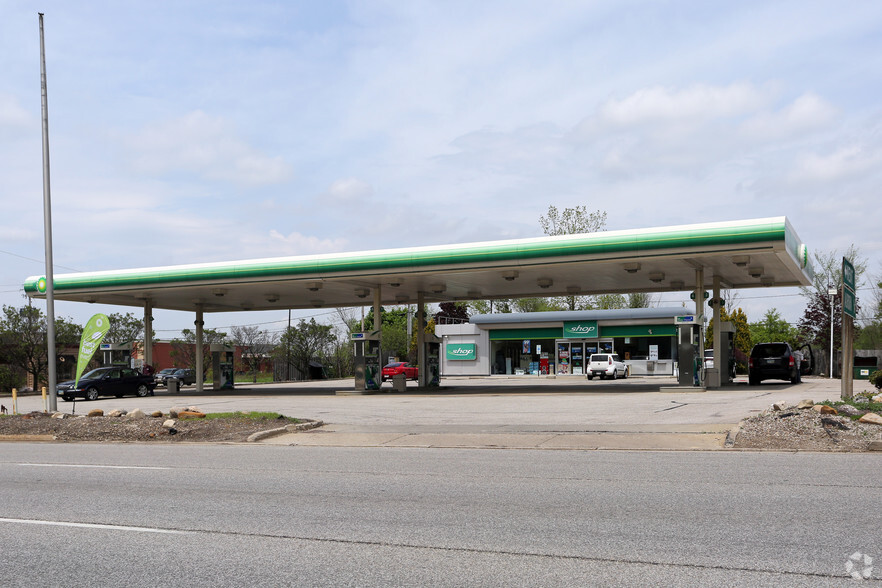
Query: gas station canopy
{"points": [[743, 254]]}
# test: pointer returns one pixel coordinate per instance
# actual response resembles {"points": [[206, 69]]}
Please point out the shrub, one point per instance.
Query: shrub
{"points": [[876, 378]]}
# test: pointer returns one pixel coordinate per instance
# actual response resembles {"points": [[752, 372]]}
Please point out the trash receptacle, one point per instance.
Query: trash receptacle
{"points": [[174, 385], [863, 367], [399, 383]]}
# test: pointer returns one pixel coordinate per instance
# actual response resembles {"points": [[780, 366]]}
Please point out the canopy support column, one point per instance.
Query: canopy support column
{"points": [[148, 332], [199, 359], [421, 341], [699, 319]]}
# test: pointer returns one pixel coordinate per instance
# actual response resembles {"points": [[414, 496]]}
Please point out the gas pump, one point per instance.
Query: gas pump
{"points": [[116, 354], [222, 366], [688, 354], [367, 361], [433, 361]]}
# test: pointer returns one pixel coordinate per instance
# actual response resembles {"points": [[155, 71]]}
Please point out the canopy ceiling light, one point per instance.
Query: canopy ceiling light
{"points": [[755, 271], [632, 268], [395, 282], [313, 286], [219, 292], [544, 282], [741, 260], [437, 288], [362, 292], [656, 277], [271, 297], [510, 275]]}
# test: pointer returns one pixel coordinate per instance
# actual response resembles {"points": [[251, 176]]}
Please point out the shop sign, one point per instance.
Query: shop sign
{"points": [[580, 330], [461, 351], [685, 320]]}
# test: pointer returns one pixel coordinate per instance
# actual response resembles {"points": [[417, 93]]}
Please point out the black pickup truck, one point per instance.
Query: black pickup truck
{"points": [[107, 381]]}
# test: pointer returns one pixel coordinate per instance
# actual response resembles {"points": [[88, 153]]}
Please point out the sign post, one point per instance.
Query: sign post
{"points": [[849, 307]]}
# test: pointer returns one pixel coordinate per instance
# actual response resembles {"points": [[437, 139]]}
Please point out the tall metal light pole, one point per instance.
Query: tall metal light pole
{"points": [[831, 291], [47, 231]]}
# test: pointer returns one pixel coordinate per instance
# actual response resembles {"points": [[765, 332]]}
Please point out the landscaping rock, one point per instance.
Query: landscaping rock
{"points": [[136, 414], [157, 414], [824, 409], [849, 410], [175, 410], [871, 418], [168, 424], [190, 414], [96, 412], [808, 403], [776, 407], [116, 413], [58, 415]]}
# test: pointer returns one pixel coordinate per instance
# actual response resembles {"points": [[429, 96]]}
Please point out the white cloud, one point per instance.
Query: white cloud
{"points": [[206, 146], [807, 113], [298, 244], [843, 164], [697, 102], [12, 115], [349, 191]]}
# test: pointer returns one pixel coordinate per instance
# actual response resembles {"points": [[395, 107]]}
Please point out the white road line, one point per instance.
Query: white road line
{"points": [[93, 526], [86, 465]]}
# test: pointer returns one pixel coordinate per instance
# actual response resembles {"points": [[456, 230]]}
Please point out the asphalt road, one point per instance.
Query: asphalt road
{"points": [[234, 515]]}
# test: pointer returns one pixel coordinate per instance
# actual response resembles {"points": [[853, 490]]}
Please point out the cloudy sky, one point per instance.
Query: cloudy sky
{"points": [[208, 131]]}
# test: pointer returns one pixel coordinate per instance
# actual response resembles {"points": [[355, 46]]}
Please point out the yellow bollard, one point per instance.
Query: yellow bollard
{"points": [[45, 404], [14, 397]]}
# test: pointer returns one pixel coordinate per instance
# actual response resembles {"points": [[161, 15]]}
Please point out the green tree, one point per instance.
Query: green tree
{"points": [[306, 342], [773, 328], [23, 333], [124, 328], [641, 300], [183, 350], [254, 344], [573, 221]]}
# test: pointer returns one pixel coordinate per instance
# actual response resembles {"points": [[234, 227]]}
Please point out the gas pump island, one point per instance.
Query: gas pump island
{"points": [[368, 366]]}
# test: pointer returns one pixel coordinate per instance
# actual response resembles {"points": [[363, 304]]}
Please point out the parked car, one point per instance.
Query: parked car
{"points": [[411, 372], [163, 374], [107, 381], [183, 376], [607, 365], [777, 361]]}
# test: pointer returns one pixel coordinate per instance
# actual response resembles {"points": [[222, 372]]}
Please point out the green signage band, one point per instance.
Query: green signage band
{"points": [[461, 351], [580, 330], [93, 334]]}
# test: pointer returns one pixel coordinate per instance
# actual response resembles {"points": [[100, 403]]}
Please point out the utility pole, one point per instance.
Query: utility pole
{"points": [[47, 232]]}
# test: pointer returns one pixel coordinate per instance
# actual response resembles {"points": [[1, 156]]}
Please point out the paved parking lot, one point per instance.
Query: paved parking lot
{"points": [[498, 411]]}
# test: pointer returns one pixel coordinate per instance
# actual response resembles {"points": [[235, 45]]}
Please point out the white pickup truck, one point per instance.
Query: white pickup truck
{"points": [[606, 365]]}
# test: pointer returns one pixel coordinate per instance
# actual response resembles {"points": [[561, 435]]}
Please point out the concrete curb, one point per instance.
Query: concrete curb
{"points": [[261, 435], [732, 435]]}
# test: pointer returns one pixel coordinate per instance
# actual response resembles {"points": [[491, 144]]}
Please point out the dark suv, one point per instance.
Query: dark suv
{"points": [[776, 361]]}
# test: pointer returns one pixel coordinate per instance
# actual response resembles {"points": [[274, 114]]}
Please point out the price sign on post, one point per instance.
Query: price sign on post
{"points": [[848, 302]]}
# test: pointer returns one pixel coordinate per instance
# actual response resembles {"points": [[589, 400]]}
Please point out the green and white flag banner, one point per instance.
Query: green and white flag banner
{"points": [[93, 334]]}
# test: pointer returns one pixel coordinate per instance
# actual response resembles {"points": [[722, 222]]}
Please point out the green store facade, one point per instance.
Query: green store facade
{"points": [[560, 343]]}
